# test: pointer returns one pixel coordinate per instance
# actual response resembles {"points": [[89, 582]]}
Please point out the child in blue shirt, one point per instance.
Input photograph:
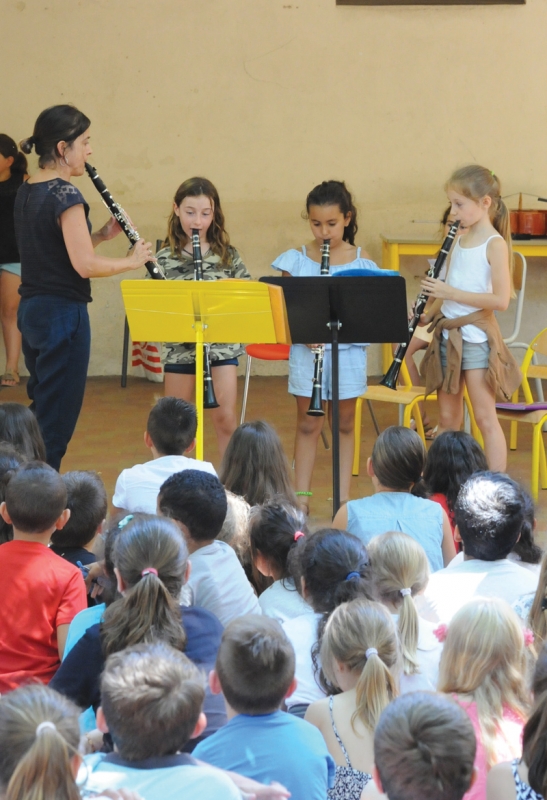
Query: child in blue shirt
{"points": [[255, 671]]}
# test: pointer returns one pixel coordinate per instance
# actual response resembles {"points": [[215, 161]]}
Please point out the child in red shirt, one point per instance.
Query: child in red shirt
{"points": [[40, 592]]}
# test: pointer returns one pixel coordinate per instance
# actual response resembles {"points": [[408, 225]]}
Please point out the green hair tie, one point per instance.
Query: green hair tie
{"points": [[304, 494]]}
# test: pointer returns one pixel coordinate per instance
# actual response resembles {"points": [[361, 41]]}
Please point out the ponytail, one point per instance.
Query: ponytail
{"points": [[408, 634], [276, 531], [39, 735], [361, 635], [151, 558]]}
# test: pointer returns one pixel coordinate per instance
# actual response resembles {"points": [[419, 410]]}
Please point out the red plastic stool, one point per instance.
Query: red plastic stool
{"points": [[267, 352]]}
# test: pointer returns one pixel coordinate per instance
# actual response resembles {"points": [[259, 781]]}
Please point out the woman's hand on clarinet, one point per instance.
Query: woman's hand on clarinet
{"points": [[433, 287], [140, 253]]}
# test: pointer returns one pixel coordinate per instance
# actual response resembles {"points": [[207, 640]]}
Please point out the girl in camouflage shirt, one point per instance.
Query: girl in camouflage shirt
{"points": [[197, 207]]}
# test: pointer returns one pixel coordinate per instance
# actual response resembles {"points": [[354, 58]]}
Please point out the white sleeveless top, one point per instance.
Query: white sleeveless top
{"points": [[469, 271]]}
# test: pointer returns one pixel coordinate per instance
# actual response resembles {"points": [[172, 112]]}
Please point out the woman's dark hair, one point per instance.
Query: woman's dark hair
{"points": [[526, 548], [335, 567], [398, 459], [63, 123], [274, 529], [452, 458], [335, 193], [8, 148], [148, 610], [255, 466], [10, 461], [18, 426], [534, 735]]}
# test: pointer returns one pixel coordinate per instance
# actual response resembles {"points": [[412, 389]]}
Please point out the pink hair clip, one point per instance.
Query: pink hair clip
{"points": [[298, 535], [440, 632], [149, 571], [528, 637]]}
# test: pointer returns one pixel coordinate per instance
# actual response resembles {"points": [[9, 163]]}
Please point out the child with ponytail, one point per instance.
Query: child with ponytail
{"points": [[484, 665], [39, 740], [467, 348], [276, 530], [332, 216], [360, 657], [151, 566], [400, 571]]}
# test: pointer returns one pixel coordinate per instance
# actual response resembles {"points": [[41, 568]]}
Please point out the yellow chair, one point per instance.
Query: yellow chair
{"points": [[537, 417], [406, 396]]}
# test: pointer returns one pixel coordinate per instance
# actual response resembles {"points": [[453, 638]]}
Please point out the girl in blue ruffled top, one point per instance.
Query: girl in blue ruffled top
{"points": [[333, 216]]}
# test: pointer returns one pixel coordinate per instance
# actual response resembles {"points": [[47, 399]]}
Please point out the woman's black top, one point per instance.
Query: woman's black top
{"points": [[9, 254], [45, 264]]}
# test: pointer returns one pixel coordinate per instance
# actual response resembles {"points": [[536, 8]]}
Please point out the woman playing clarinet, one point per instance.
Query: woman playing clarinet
{"points": [[58, 259]]}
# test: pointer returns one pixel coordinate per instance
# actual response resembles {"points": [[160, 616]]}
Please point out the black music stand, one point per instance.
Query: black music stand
{"points": [[344, 310]]}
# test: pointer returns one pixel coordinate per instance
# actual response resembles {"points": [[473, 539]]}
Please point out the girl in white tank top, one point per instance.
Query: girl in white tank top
{"points": [[479, 278]]}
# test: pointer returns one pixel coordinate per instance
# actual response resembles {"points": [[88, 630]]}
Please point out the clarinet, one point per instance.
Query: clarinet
{"points": [[392, 375], [122, 219], [209, 399], [316, 403]]}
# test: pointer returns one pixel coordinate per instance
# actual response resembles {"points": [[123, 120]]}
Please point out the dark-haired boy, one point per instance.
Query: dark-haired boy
{"points": [[489, 514], [424, 749], [152, 696], [40, 592], [255, 671], [196, 501], [170, 433], [87, 501]]}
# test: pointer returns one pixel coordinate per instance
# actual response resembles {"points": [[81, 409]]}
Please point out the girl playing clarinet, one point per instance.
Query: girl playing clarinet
{"points": [[467, 348], [197, 206], [332, 216]]}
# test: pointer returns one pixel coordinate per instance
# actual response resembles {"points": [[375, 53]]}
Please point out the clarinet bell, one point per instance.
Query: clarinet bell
{"points": [[316, 406], [209, 399]]}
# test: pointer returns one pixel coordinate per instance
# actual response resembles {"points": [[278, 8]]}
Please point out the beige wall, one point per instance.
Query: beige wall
{"points": [[269, 97]]}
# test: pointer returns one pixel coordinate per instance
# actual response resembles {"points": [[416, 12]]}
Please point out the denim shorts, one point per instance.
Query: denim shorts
{"points": [[190, 369], [352, 367], [475, 355]]}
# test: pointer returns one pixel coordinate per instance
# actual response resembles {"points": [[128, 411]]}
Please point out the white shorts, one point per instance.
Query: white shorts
{"points": [[352, 363]]}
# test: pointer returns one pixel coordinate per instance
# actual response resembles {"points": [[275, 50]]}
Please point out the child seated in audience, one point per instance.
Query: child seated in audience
{"points": [[489, 515], [151, 701], [18, 426], [452, 458], [532, 608], [526, 778], [10, 461], [276, 530], [196, 501], [395, 467], [39, 741], [360, 657], [331, 567], [150, 561], [40, 592], [424, 749], [484, 665], [526, 552], [255, 465], [87, 501], [235, 529], [255, 672], [170, 433], [399, 572]]}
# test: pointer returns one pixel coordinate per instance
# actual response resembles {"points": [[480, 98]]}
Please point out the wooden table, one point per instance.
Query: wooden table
{"points": [[395, 246]]}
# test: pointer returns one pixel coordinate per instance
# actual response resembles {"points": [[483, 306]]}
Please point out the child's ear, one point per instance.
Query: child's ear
{"points": [[120, 581], [377, 779], [187, 572], [457, 535], [201, 724], [101, 720], [191, 447], [370, 468], [4, 514], [75, 764], [148, 441], [292, 688], [63, 519], [214, 682]]}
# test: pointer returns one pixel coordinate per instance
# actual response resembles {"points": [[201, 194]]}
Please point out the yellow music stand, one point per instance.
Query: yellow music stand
{"points": [[228, 311]]}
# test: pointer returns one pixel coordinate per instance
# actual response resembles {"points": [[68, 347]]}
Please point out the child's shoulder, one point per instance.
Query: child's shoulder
{"points": [[293, 261]]}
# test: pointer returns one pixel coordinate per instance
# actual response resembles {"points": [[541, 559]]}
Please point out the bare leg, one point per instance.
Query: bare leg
{"points": [[308, 431], [9, 303], [347, 441], [484, 406], [181, 386], [450, 409], [224, 417], [414, 346]]}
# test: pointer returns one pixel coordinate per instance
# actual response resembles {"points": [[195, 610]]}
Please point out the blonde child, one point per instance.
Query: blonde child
{"points": [[360, 656], [483, 665], [478, 283], [197, 206], [400, 571], [332, 215]]}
